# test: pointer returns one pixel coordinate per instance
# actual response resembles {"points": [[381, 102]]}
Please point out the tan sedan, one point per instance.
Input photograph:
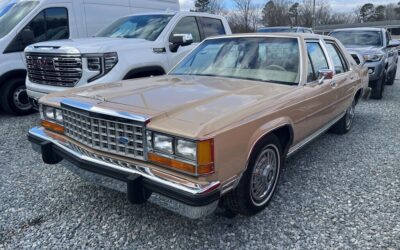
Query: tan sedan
{"points": [[214, 131]]}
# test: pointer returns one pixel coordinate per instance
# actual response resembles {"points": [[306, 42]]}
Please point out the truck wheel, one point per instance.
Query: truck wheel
{"points": [[392, 78], [258, 182], [14, 99], [377, 92], [344, 125]]}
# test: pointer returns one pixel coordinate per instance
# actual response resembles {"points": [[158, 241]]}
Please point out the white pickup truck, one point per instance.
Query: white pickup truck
{"points": [[25, 22], [133, 46]]}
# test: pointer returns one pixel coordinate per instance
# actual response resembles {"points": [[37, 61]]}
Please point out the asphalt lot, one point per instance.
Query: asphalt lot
{"points": [[338, 192]]}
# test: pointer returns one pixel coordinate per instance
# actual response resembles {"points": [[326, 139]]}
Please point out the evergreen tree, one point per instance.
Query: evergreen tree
{"points": [[202, 5]]}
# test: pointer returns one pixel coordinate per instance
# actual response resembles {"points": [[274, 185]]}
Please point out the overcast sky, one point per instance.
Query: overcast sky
{"points": [[337, 5]]}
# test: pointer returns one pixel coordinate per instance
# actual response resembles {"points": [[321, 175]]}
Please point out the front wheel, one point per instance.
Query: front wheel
{"points": [[14, 98], [344, 125], [392, 78], [259, 181], [377, 91]]}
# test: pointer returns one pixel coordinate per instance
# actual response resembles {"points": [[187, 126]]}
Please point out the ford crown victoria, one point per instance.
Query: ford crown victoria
{"points": [[213, 132]]}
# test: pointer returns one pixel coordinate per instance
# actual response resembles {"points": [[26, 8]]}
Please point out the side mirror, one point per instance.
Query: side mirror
{"points": [[178, 40], [324, 74], [393, 43], [27, 37]]}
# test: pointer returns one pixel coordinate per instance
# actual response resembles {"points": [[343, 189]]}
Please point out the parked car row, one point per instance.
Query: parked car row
{"points": [[213, 131]]}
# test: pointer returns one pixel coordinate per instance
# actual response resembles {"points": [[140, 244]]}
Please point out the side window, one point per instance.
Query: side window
{"points": [[50, 24], [187, 25], [311, 75], [317, 60], [338, 59], [57, 23], [212, 26], [387, 38]]}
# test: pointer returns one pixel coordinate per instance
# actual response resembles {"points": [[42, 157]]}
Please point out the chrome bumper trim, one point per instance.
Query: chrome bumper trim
{"points": [[160, 200], [171, 181]]}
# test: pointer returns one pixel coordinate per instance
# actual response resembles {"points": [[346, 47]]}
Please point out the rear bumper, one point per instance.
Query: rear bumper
{"points": [[189, 199]]}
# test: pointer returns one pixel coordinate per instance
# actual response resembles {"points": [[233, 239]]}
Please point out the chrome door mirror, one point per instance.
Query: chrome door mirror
{"points": [[324, 74]]}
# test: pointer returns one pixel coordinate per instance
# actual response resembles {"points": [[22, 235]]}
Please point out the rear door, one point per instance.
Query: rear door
{"points": [[344, 77], [320, 98]]}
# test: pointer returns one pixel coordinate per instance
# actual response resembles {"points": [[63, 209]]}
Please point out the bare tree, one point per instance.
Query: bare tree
{"points": [[245, 16], [390, 12], [217, 7], [276, 13]]}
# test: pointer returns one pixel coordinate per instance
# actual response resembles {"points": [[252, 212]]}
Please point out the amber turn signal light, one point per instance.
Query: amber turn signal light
{"points": [[172, 163], [205, 157], [52, 126]]}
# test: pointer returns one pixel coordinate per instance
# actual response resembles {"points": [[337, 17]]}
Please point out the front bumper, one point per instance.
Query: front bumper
{"points": [[375, 70], [190, 199]]}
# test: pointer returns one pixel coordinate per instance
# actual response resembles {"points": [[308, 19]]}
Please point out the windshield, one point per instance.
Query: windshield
{"points": [[276, 30], [262, 59], [12, 12], [147, 27], [359, 38]]}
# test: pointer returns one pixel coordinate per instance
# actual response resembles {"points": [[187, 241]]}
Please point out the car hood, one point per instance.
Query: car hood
{"points": [[184, 105], [364, 50], [89, 45]]}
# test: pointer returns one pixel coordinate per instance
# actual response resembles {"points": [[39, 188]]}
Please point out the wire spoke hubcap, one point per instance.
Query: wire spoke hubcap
{"points": [[264, 175], [350, 115]]}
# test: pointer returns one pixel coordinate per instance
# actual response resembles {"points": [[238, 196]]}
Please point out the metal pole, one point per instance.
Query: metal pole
{"points": [[313, 15]]}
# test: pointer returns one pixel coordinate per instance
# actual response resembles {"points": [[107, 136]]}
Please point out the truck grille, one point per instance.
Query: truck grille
{"points": [[54, 69], [120, 138]]}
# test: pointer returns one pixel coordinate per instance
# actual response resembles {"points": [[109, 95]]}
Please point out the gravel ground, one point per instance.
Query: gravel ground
{"points": [[339, 192]]}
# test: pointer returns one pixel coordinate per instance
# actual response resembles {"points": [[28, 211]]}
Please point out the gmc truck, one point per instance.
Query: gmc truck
{"points": [[25, 22], [134, 46]]}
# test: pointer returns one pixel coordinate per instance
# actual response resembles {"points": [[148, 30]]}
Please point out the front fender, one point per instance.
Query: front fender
{"points": [[266, 129]]}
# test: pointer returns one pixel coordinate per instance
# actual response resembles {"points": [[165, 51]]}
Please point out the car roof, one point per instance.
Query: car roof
{"points": [[176, 13], [284, 27], [361, 28], [283, 34]]}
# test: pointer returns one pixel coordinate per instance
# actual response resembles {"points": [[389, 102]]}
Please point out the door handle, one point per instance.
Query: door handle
{"points": [[333, 84]]}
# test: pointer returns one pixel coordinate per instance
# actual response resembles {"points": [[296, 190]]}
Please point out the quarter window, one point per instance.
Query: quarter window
{"points": [[50, 24], [317, 60], [338, 60], [187, 25], [212, 26]]}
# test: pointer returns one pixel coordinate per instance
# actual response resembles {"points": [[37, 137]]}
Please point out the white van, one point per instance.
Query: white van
{"points": [[24, 22]]}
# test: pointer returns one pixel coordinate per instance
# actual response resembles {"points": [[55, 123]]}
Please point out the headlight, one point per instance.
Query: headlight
{"points": [[52, 114], [193, 157], [373, 57], [163, 143], [186, 149], [102, 63], [51, 118]]}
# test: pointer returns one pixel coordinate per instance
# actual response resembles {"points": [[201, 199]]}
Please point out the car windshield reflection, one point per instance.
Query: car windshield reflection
{"points": [[267, 59]]}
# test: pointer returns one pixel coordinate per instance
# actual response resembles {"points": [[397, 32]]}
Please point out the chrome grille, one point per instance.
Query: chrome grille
{"points": [[120, 138], [53, 69]]}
